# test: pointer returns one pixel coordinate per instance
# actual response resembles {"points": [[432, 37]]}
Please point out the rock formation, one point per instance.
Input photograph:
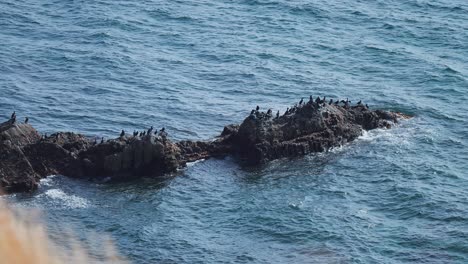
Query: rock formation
{"points": [[26, 157]]}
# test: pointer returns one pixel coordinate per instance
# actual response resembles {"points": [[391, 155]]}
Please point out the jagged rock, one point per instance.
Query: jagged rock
{"points": [[25, 157], [308, 128]]}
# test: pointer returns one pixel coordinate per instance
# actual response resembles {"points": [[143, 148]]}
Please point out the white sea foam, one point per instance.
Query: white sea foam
{"points": [[68, 200], [190, 164], [47, 181]]}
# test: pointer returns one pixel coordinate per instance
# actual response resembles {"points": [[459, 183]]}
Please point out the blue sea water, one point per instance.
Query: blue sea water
{"points": [[392, 196]]}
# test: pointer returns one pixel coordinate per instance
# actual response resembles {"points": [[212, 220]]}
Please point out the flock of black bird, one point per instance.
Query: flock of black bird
{"points": [[317, 103], [162, 132]]}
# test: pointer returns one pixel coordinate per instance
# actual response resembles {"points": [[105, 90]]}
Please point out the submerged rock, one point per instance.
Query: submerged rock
{"points": [[25, 157]]}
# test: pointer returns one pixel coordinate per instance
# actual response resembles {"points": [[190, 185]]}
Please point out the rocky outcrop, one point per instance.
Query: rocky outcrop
{"points": [[26, 157], [308, 128]]}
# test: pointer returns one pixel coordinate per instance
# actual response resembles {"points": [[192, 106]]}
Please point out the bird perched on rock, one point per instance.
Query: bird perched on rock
{"points": [[95, 141], [331, 102], [258, 108], [102, 140], [122, 133], [26, 120], [163, 133], [150, 130], [287, 111], [252, 112], [367, 106], [277, 114], [360, 102], [269, 112], [13, 115], [301, 101]]}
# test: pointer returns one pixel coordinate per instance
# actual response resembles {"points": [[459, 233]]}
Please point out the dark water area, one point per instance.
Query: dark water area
{"points": [[392, 196]]}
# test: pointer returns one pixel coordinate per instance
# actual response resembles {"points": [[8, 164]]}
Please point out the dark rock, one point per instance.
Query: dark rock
{"points": [[25, 157]]}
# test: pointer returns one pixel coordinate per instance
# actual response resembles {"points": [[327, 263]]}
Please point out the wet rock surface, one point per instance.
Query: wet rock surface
{"points": [[26, 157]]}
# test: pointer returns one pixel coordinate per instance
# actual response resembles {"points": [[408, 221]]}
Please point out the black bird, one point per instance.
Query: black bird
{"points": [[144, 133], [317, 100], [311, 99], [343, 101], [141, 134], [258, 108], [269, 112], [331, 102], [150, 130], [253, 112], [301, 101], [102, 140], [164, 129], [359, 102], [367, 106], [13, 115], [287, 111], [13, 119], [95, 141], [324, 99], [122, 133], [277, 114], [337, 102], [26, 120]]}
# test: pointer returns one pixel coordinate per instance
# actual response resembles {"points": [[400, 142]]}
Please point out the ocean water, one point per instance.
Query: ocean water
{"points": [[392, 196]]}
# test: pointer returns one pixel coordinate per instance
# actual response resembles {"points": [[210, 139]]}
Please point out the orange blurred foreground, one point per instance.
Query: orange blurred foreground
{"points": [[22, 242]]}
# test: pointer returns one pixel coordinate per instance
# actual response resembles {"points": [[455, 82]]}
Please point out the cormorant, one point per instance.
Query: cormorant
{"points": [[164, 129], [144, 133], [141, 134], [252, 112], [301, 101], [13, 115], [258, 108], [317, 100], [337, 102], [367, 106], [277, 114], [343, 101], [324, 99], [359, 102], [122, 133], [102, 140], [95, 141], [150, 130], [269, 112], [26, 120], [331, 102], [311, 99], [287, 111]]}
